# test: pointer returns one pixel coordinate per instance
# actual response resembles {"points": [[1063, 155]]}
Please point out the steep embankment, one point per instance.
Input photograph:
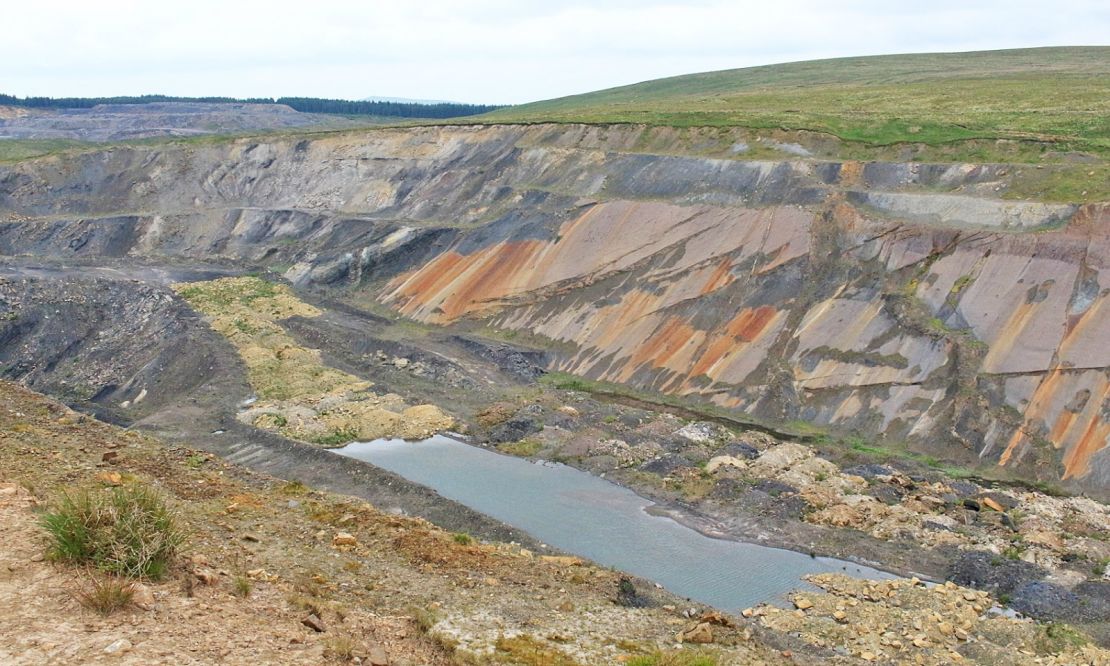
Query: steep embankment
{"points": [[913, 302]]}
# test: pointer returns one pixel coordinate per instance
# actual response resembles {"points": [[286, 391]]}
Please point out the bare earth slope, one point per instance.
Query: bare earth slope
{"points": [[915, 303]]}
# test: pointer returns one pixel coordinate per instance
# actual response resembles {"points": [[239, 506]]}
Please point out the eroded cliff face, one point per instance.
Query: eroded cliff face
{"points": [[897, 300]]}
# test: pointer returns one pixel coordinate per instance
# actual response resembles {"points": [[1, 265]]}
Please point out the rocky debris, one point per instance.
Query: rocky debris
{"points": [[524, 364], [740, 450], [1001, 539], [514, 430], [1086, 602], [775, 488], [870, 471], [905, 621], [780, 458], [717, 462], [625, 454], [701, 432], [664, 465], [997, 574]]}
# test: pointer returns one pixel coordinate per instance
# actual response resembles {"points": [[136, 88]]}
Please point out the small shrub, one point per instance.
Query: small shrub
{"points": [[242, 586], [463, 539], [105, 594], [127, 531]]}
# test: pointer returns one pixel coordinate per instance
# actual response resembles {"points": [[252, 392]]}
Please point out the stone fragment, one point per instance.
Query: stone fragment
{"points": [[377, 657], [314, 623], [142, 596], [344, 539], [991, 504], [110, 478], [119, 646]]}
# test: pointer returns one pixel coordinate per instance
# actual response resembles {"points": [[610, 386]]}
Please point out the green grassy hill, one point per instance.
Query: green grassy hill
{"points": [[1058, 95]]}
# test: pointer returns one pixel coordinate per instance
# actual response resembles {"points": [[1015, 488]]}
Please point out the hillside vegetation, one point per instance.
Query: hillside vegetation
{"points": [[1056, 95]]}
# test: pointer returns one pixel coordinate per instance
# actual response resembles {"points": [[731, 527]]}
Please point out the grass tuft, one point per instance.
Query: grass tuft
{"points": [[105, 594], [126, 531]]}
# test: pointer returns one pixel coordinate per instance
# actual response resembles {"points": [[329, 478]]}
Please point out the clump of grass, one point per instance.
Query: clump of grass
{"points": [[105, 594], [337, 437], [523, 448], [341, 648], [425, 618], [294, 488], [462, 538], [126, 531], [1057, 637], [242, 586]]}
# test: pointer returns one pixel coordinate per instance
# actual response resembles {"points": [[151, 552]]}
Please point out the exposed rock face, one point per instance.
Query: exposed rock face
{"points": [[898, 300]]}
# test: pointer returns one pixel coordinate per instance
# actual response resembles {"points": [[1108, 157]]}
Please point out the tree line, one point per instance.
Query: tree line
{"points": [[303, 104]]}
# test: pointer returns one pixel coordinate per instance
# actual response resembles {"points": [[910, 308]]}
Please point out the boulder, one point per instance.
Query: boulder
{"points": [[314, 623], [725, 461], [701, 632], [780, 458]]}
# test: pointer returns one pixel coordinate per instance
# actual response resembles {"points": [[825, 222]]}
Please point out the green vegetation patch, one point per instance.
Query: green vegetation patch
{"points": [[524, 448]]}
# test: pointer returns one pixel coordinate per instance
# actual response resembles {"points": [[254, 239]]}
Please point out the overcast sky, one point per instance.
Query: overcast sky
{"points": [[494, 51]]}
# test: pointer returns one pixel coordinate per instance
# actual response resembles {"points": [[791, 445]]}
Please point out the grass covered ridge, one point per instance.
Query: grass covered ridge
{"points": [[1059, 95]]}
